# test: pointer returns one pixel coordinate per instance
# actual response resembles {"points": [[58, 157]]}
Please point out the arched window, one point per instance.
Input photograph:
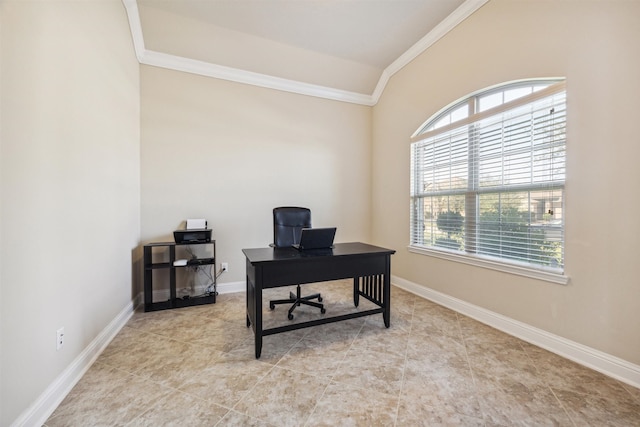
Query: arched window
{"points": [[487, 180]]}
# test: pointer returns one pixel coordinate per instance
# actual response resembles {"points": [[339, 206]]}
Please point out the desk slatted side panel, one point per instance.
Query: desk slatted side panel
{"points": [[370, 287]]}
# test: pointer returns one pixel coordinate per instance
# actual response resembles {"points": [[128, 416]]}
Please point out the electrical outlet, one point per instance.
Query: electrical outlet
{"points": [[59, 338], [225, 266]]}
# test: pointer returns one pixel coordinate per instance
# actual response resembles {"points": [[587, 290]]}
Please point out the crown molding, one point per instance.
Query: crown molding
{"points": [[136, 27], [188, 65], [222, 72], [463, 11]]}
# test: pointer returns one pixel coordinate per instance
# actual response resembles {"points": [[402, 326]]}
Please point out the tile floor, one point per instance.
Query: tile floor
{"points": [[196, 367]]}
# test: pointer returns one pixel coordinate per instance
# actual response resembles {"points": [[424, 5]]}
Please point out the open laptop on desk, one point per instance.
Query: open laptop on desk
{"points": [[316, 238]]}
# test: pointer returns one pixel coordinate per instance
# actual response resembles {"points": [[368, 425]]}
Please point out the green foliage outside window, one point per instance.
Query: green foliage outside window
{"points": [[451, 223], [508, 233]]}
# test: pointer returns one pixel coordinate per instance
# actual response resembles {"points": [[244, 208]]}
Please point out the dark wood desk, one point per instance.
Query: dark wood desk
{"points": [[368, 265]]}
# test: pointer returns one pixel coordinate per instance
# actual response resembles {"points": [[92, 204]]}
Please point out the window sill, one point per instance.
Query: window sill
{"points": [[548, 274]]}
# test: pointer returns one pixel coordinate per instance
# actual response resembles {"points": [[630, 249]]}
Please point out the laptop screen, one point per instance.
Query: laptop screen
{"points": [[316, 238]]}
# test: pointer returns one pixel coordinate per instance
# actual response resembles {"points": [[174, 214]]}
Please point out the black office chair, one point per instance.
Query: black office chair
{"points": [[288, 223]]}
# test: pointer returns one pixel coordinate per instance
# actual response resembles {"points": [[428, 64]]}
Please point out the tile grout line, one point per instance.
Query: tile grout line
{"points": [[535, 365], [406, 357], [333, 375], [471, 370]]}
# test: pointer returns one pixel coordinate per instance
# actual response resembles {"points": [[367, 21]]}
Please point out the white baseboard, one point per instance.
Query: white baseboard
{"points": [[231, 287], [607, 364], [43, 407]]}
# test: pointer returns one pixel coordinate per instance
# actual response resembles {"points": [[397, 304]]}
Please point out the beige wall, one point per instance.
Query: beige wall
{"points": [[69, 186], [230, 153], [595, 45]]}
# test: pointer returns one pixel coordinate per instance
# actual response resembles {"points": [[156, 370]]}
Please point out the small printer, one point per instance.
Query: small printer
{"points": [[202, 235], [195, 232]]}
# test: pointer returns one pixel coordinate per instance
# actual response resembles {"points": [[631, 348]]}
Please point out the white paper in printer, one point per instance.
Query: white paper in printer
{"points": [[194, 224]]}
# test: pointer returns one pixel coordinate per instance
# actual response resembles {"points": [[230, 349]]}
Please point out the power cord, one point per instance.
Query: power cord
{"points": [[208, 273]]}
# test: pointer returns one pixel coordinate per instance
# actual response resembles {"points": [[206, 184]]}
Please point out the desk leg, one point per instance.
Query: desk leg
{"points": [[386, 292], [247, 303], [257, 324], [258, 346], [356, 291], [254, 311]]}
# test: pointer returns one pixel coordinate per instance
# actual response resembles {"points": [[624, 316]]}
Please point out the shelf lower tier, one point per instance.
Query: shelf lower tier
{"points": [[179, 303]]}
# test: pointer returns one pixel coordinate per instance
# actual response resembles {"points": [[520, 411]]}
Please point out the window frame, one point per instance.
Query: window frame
{"points": [[427, 130]]}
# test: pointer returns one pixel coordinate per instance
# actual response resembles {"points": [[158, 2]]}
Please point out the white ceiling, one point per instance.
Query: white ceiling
{"points": [[372, 32], [345, 46]]}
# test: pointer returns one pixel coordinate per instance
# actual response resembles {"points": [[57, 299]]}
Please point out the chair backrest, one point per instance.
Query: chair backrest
{"points": [[288, 221]]}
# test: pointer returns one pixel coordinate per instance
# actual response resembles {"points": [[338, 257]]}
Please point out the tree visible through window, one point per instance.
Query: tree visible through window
{"points": [[488, 174]]}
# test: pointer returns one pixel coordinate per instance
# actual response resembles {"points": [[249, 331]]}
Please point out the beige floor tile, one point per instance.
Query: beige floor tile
{"points": [[598, 410], [106, 396], [224, 335], [156, 322], [180, 410], [563, 374], [375, 338], [412, 412], [633, 391], [283, 397], [176, 362], [436, 352], [473, 330], [131, 349], [315, 357], [450, 388], [343, 405], [236, 419], [498, 361], [226, 381], [430, 319], [399, 320], [511, 402], [382, 372]]}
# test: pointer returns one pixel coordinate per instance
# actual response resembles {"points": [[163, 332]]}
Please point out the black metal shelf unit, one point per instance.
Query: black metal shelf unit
{"points": [[174, 301]]}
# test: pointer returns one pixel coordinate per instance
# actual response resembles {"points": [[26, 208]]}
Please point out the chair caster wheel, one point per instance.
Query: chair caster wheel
{"points": [[290, 316], [272, 306], [323, 311], [319, 299]]}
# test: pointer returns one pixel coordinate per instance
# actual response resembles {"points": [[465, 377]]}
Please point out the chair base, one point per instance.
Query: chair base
{"points": [[296, 299]]}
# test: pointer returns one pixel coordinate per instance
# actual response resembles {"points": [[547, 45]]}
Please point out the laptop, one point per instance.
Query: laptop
{"points": [[316, 238]]}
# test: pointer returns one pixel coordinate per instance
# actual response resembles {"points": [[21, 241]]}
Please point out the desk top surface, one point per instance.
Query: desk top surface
{"points": [[271, 254]]}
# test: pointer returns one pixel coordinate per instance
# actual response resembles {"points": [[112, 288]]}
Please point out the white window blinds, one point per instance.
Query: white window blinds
{"points": [[492, 183]]}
